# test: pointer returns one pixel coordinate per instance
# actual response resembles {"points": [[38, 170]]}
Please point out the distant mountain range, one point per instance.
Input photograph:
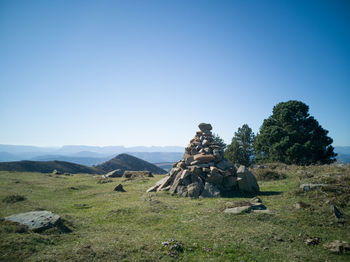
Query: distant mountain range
{"points": [[93, 155], [88, 155], [343, 154], [121, 161]]}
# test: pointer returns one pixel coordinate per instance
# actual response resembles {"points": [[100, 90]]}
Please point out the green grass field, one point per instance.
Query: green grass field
{"points": [[131, 226]]}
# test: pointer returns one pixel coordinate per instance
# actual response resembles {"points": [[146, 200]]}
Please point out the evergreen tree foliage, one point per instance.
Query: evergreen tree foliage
{"points": [[240, 151], [290, 135], [219, 141]]}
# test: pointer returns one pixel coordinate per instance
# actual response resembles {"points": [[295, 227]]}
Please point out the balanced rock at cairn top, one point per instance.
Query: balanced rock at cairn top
{"points": [[204, 172]]}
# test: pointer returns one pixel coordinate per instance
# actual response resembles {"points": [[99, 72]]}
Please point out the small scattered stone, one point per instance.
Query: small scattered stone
{"points": [[173, 247], [337, 213], [312, 241], [277, 238], [119, 188], [301, 205], [308, 187], [207, 249], [82, 206], [337, 246], [256, 200]]}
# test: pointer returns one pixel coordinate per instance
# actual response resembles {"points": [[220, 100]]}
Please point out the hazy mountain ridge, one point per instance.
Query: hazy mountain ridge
{"points": [[88, 155], [121, 161], [87, 161], [93, 155], [343, 154]]}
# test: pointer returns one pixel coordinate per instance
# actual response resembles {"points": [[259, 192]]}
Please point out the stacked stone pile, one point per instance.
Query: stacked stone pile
{"points": [[204, 172]]}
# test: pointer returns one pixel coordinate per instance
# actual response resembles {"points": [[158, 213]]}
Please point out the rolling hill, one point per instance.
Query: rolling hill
{"points": [[47, 167], [122, 161], [128, 162]]}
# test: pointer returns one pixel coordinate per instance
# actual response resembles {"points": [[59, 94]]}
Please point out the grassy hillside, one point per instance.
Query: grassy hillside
{"points": [[47, 167], [131, 226]]}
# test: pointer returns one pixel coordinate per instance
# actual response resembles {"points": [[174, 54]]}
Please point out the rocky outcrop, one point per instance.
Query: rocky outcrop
{"points": [[204, 172]]}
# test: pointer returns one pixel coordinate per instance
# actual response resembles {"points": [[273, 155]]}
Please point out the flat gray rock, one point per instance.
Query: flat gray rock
{"points": [[36, 220], [238, 210], [256, 208]]}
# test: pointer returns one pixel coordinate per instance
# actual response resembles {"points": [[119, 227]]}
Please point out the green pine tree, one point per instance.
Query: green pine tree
{"points": [[240, 151], [290, 135]]}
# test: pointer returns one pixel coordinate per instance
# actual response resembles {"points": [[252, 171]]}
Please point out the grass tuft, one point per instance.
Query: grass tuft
{"points": [[13, 199]]}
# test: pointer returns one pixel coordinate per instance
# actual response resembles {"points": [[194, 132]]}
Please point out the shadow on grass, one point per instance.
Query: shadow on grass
{"points": [[251, 195], [60, 228]]}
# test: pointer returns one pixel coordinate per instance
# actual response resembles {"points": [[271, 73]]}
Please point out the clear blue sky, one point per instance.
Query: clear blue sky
{"points": [[148, 72]]}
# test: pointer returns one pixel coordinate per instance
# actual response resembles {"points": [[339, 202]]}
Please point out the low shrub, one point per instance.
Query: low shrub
{"points": [[268, 174]]}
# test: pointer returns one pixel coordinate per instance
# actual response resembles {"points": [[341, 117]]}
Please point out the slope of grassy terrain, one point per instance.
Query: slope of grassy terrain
{"points": [[48, 167], [113, 226]]}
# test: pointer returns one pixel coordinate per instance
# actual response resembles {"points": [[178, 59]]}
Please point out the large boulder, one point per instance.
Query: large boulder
{"points": [[214, 176], [36, 220], [246, 180], [210, 191], [195, 189]]}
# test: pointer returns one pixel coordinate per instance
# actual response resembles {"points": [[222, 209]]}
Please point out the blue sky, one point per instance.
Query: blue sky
{"points": [[148, 72]]}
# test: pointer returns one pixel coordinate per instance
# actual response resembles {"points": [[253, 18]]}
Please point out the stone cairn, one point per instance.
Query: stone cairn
{"points": [[204, 172]]}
